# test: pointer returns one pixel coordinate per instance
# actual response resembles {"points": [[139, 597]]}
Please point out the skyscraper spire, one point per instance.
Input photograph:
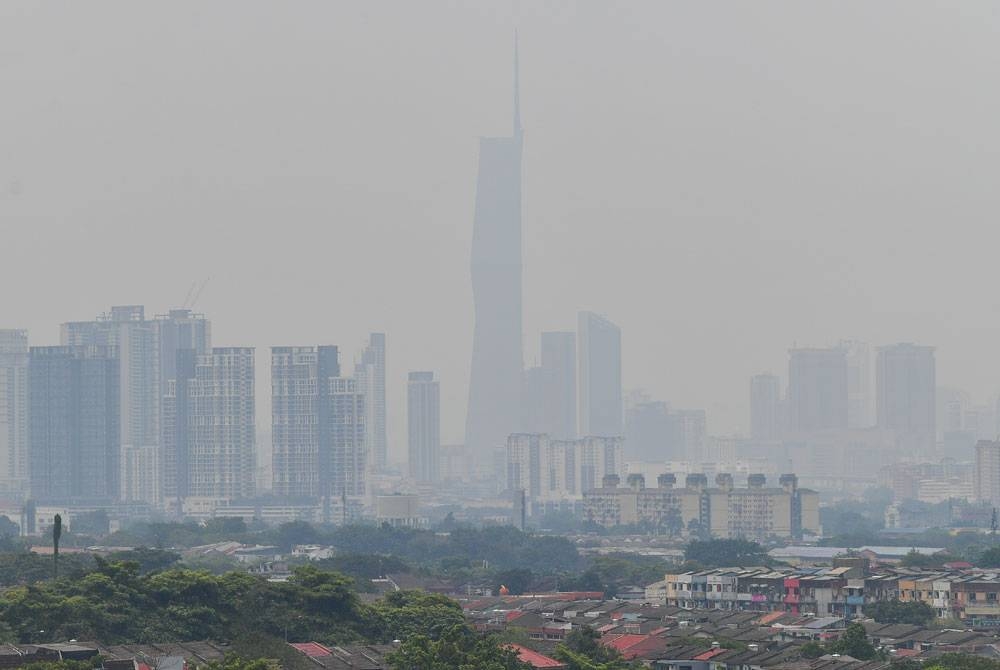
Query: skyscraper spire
{"points": [[517, 91]]}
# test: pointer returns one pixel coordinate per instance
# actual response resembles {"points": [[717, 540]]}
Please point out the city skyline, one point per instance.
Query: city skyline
{"points": [[616, 204]]}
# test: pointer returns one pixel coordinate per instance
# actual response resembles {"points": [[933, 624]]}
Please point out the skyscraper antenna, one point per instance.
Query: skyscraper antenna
{"points": [[517, 91]]}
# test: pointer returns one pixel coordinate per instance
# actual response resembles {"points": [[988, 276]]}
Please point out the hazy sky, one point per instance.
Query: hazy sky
{"points": [[721, 179]]}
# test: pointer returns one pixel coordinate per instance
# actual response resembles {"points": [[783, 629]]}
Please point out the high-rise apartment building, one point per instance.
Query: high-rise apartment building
{"points": [[765, 405], [494, 409], [986, 474], [318, 425], [73, 445], [13, 413], [423, 419], [370, 376], [222, 420], [600, 376], [906, 383], [817, 390]]}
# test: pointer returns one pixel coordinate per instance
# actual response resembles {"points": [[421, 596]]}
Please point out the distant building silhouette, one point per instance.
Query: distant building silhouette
{"points": [[559, 402], [817, 390], [765, 407], [859, 395], [74, 446], [600, 376], [423, 419], [906, 383], [648, 433], [370, 377], [14, 413], [494, 409]]}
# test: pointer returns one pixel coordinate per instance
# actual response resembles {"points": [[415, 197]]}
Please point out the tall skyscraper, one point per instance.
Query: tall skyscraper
{"points": [[906, 383], [494, 409], [423, 419], [74, 447], [558, 385], [318, 425], [222, 420], [370, 376], [765, 404], [600, 378], [817, 390], [859, 396], [13, 413]]}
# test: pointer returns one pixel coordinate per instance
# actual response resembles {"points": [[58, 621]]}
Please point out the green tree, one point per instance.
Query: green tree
{"points": [[582, 650], [894, 611], [404, 614], [989, 558], [812, 649], [457, 649], [854, 642]]}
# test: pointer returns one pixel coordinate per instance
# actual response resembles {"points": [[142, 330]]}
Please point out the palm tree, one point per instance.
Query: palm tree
{"points": [[56, 534]]}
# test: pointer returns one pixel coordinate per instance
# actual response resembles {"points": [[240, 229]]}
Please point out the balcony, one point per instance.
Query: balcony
{"points": [[981, 609]]}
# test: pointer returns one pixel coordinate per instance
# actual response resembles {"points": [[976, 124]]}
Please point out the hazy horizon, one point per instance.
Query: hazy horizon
{"points": [[721, 181]]}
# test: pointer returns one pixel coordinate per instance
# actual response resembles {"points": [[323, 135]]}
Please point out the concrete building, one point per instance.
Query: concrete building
{"points": [[423, 419], [318, 425], [906, 384], [817, 390], [986, 475], [553, 472], [494, 408], [725, 511], [222, 420], [14, 413], [765, 403], [600, 376], [73, 444], [370, 376]]}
